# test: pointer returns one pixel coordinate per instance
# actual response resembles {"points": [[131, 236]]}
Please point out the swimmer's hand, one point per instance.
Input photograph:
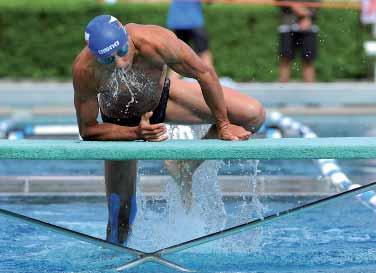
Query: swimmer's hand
{"points": [[230, 131], [151, 132]]}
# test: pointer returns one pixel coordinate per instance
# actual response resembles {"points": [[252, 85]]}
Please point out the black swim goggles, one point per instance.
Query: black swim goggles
{"points": [[121, 53]]}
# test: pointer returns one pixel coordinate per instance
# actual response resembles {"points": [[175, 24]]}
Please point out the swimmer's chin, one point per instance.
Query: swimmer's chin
{"points": [[125, 68]]}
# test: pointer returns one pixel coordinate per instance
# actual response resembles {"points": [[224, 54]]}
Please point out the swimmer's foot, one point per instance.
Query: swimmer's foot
{"points": [[182, 172]]}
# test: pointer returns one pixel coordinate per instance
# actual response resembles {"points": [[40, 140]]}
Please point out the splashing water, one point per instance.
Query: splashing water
{"points": [[163, 222], [260, 209], [120, 74], [249, 208], [208, 196], [122, 89]]}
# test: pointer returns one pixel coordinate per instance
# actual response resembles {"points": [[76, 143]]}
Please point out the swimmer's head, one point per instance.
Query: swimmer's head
{"points": [[106, 37]]}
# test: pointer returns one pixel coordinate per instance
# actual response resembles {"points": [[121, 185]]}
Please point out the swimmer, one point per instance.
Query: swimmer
{"points": [[121, 75]]}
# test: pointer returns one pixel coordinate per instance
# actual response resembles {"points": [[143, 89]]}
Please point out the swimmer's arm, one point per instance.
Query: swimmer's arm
{"points": [[87, 109], [90, 129], [184, 61], [301, 11]]}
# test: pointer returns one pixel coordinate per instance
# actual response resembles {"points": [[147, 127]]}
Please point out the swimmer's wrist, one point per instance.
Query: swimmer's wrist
{"points": [[136, 132], [222, 124]]}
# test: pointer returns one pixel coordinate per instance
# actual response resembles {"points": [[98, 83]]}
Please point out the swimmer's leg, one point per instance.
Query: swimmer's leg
{"points": [[120, 178], [182, 172], [186, 105]]}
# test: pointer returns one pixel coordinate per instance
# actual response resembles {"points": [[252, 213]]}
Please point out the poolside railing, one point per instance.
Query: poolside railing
{"points": [[284, 148]]}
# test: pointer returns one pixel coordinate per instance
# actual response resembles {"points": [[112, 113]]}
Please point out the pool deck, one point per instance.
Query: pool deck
{"points": [[155, 186]]}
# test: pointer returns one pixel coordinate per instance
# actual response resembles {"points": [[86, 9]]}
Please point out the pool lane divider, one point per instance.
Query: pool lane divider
{"points": [[31, 130], [329, 167]]}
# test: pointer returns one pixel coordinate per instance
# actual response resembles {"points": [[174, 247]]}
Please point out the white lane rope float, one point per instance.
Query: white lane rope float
{"points": [[329, 167]]}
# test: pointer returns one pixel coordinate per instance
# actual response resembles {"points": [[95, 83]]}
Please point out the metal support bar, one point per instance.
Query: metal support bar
{"points": [[140, 256], [153, 258]]}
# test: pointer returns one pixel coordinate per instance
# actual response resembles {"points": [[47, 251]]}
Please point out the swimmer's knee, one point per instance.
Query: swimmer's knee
{"points": [[260, 118], [254, 117]]}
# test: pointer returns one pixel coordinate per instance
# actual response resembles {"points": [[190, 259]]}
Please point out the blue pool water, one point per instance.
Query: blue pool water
{"points": [[339, 236]]}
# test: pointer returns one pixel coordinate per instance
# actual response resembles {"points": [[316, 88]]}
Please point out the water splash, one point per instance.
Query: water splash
{"points": [[248, 208], [118, 77], [164, 222], [122, 89], [260, 209], [208, 196]]}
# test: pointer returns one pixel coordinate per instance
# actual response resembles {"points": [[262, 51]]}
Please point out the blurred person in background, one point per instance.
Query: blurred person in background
{"points": [[185, 18], [297, 32], [107, 1]]}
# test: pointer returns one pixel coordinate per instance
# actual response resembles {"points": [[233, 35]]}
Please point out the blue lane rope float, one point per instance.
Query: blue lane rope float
{"points": [[16, 129], [329, 167], [42, 130], [6, 126]]}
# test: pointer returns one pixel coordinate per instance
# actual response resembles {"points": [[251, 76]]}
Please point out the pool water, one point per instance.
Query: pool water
{"points": [[338, 236]]}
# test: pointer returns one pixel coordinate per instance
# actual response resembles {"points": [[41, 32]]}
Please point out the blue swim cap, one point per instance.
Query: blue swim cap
{"points": [[105, 35]]}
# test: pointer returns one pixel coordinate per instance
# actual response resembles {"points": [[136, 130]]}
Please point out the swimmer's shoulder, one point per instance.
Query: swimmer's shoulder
{"points": [[80, 63], [148, 33], [83, 74]]}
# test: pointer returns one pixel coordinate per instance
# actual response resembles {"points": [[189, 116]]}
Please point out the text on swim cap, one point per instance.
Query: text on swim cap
{"points": [[109, 48]]}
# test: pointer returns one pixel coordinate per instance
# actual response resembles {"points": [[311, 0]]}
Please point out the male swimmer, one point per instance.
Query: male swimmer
{"points": [[121, 73]]}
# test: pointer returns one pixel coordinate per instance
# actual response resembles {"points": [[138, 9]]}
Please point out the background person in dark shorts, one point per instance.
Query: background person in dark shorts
{"points": [[298, 33], [185, 18]]}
